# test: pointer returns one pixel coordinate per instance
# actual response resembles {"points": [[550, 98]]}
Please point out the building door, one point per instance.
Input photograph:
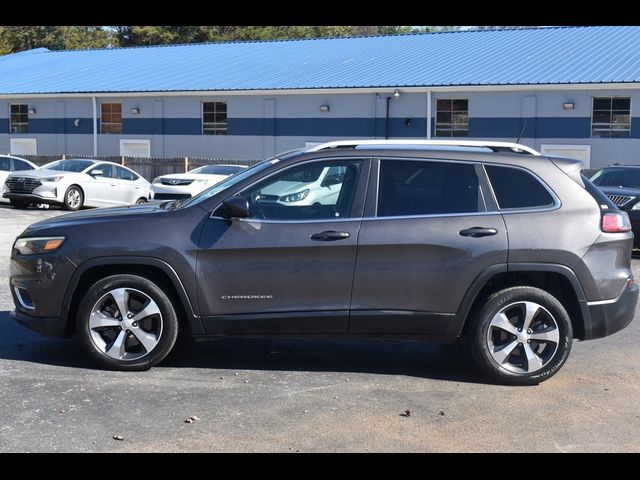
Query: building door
{"points": [[23, 146], [135, 148]]}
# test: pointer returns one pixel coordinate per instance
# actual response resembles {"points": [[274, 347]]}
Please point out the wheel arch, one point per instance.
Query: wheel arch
{"points": [[151, 268], [559, 280]]}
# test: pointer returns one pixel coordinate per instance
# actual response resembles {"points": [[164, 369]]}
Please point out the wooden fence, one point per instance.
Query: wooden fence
{"points": [[148, 167]]}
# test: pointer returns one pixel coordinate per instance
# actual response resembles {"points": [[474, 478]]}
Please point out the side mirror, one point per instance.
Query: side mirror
{"points": [[236, 207], [96, 173]]}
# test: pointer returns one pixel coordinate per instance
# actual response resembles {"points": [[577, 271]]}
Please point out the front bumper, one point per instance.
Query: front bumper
{"points": [[50, 326], [46, 193], [611, 316]]}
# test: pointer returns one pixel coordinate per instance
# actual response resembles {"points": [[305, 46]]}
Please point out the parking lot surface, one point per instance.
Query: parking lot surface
{"points": [[305, 395]]}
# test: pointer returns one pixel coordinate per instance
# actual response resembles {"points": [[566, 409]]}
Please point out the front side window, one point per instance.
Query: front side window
{"points": [[19, 118], [214, 118], [20, 165], [452, 118], [315, 191], [111, 118], [107, 169], [611, 117], [426, 188], [5, 164], [515, 188]]}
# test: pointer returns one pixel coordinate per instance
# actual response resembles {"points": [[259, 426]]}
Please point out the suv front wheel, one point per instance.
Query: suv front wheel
{"points": [[126, 322], [521, 336]]}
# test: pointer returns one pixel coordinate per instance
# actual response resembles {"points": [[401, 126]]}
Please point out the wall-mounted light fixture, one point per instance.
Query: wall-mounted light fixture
{"points": [[76, 122], [324, 108], [569, 105], [135, 110], [32, 111], [396, 94], [408, 122]]}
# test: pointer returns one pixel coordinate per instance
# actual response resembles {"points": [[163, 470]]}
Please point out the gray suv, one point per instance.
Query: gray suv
{"points": [[491, 243]]}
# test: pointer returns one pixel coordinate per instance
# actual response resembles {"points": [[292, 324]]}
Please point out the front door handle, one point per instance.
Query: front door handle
{"points": [[477, 232], [329, 236]]}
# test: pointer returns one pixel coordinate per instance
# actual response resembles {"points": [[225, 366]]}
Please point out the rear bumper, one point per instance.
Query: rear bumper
{"points": [[50, 326], [611, 316]]}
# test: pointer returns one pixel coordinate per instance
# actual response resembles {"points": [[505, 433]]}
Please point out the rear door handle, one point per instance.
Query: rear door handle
{"points": [[476, 232], [329, 236]]}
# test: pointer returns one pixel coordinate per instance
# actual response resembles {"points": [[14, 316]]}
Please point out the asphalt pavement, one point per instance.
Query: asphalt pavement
{"points": [[265, 395]]}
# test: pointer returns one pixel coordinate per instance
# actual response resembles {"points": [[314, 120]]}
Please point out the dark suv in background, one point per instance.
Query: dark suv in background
{"points": [[493, 243], [621, 184]]}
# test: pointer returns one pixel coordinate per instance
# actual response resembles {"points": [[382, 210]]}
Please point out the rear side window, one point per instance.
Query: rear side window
{"points": [[515, 188], [426, 188], [124, 174], [5, 164], [20, 165]]}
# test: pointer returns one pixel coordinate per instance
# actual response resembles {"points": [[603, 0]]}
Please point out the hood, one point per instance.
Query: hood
{"points": [[285, 188], [41, 173], [627, 192], [96, 215]]}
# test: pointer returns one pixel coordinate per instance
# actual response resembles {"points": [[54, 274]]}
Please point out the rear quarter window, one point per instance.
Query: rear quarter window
{"points": [[516, 188]]}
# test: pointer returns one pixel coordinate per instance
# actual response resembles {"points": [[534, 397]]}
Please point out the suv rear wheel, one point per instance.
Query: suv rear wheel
{"points": [[126, 322], [521, 336]]}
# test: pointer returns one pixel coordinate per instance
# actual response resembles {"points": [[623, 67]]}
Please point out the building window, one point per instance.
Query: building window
{"points": [[110, 118], [452, 118], [611, 117], [214, 118], [19, 119]]}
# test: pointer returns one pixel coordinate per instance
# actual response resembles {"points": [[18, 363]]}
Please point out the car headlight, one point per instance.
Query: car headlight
{"points": [[202, 181], [295, 197], [157, 180], [52, 179], [34, 245], [636, 206]]}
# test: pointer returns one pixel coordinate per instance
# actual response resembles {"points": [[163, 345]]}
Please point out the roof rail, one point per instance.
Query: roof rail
{"points": [[495, 146]]}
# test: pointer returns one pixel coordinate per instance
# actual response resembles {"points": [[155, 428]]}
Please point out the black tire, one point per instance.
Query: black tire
{"points": [[73, 198], [96, 349], [20, 204], [141, 200], [489, 343]]}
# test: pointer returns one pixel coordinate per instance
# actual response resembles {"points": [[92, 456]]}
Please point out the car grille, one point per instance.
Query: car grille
{"points": [[175, 181], [620, 200], [22, 184], [171, 196]]}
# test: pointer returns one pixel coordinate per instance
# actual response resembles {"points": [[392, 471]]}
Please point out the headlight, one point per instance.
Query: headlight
{"points": [[203, 181], [156, 180], [295, 197], [52, 179], [34, 245], [636, 206]]}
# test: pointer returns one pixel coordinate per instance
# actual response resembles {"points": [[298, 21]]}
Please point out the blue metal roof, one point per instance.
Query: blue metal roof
{"points": [[557, 55]]}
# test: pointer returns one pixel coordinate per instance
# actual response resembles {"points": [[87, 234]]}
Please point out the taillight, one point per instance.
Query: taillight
{"points": [[615, 222]]}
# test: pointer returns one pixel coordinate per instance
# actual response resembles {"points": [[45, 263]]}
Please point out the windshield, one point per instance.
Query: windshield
{"points": [[226, 183], [68, 165], [617, 177], [218, 169]]}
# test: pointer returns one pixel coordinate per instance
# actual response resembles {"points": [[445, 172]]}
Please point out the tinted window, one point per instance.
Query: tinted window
{"points": [[617, 177], [218, 170], [107, 170], [68, 165], [124, 174], [515, 188], [5, 164], [426, 188], [20, 165], [298, 193]]}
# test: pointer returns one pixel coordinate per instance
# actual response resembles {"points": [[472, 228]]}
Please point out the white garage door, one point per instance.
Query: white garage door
{"points": [[23, 146], [135, 148], [577, 152]]}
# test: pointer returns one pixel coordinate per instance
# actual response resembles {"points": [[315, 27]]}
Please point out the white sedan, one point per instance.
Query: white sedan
{"points": [[75, 184], [9, 163], [185, 185]]}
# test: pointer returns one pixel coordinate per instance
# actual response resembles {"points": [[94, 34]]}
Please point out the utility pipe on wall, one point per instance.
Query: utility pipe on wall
{"points": [[95, 127], [429, 107]]}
